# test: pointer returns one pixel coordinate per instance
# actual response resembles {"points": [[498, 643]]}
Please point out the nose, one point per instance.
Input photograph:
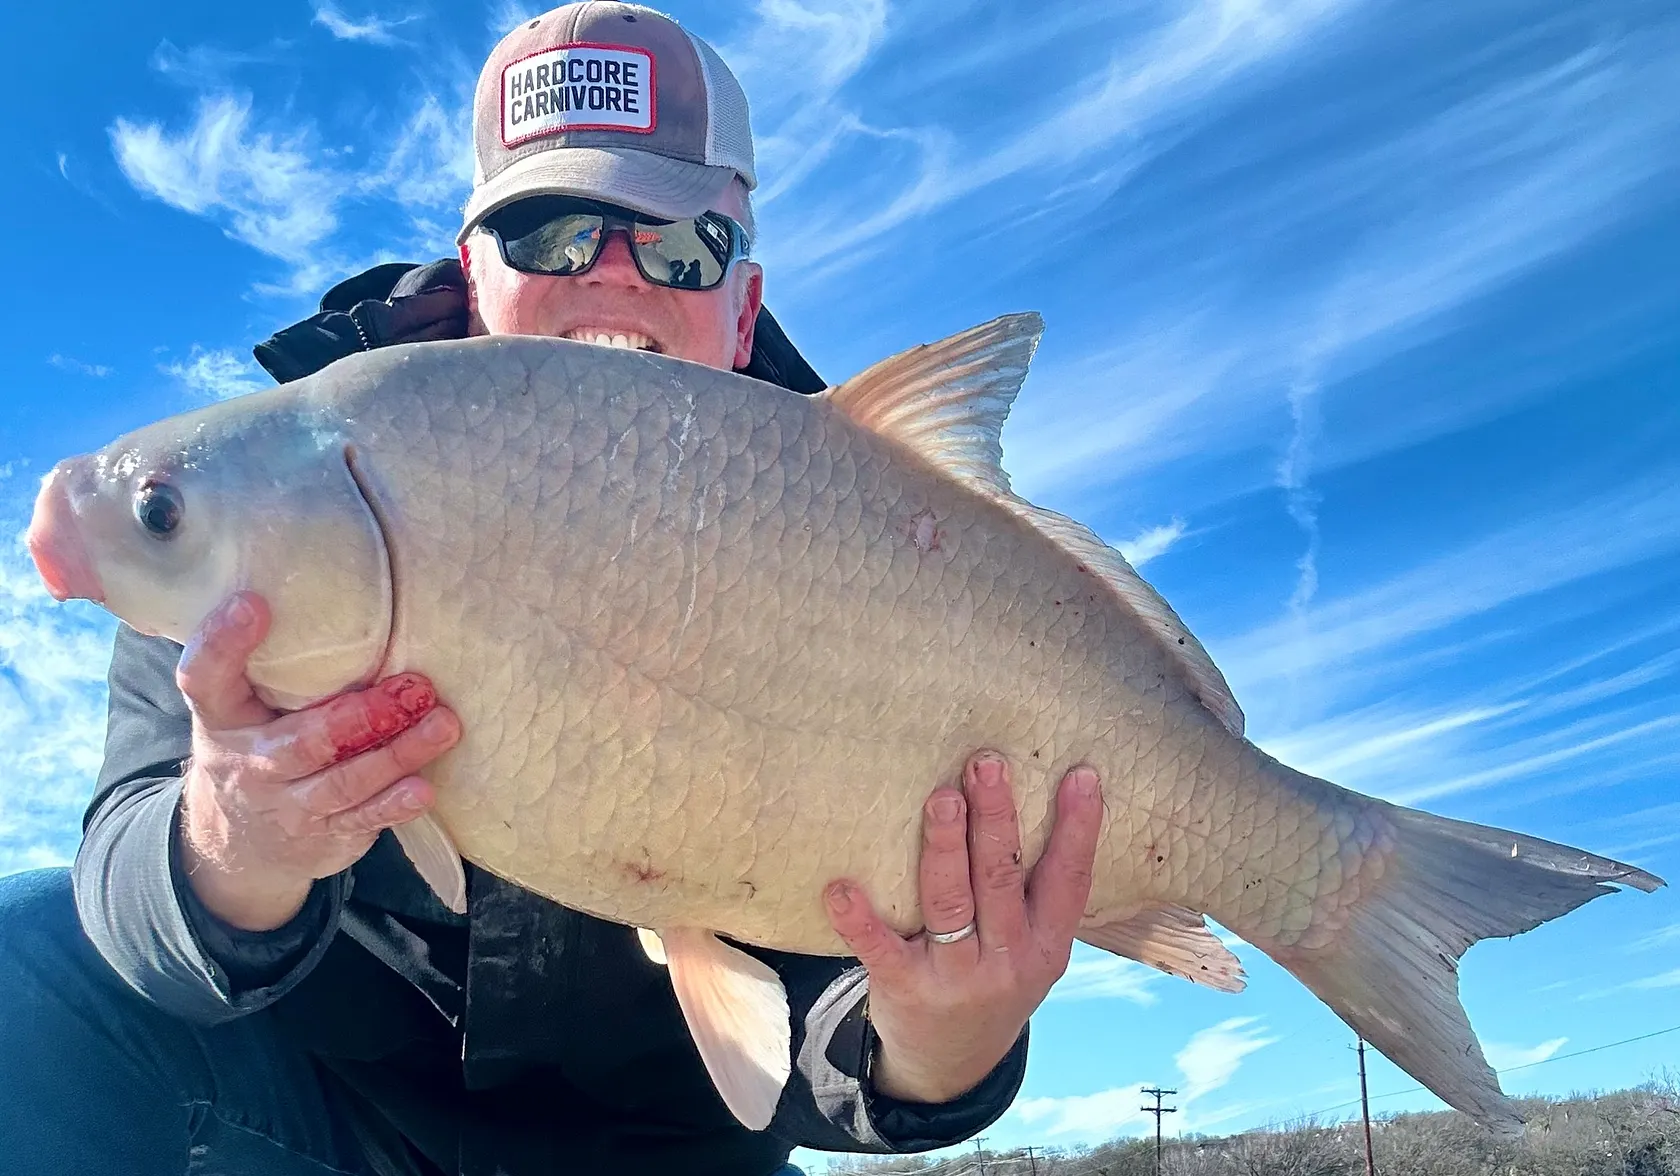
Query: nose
{"points": [[55, 543], [616, 265]]}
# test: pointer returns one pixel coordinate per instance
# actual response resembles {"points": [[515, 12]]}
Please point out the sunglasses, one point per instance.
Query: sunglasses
{"points": [[561, 236]]}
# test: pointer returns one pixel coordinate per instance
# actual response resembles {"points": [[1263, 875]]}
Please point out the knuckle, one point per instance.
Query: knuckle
{"points": [[310, 748], [1004, 874], [354, 821], [294, 822], [950, 905], [330, 792], [413, 749]]}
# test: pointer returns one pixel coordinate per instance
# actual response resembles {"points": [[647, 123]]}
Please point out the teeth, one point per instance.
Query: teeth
{"points": [[624, 339]]}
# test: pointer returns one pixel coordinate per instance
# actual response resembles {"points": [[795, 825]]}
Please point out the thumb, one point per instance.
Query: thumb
{"points": [[212, 670]]}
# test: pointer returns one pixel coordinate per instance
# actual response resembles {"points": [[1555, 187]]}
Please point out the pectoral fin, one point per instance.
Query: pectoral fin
{"points": [[651, 945], [434, 855], [737, 1011]]}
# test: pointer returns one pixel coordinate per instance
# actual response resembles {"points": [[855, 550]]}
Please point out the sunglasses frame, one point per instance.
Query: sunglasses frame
{"points": [[615, 218]]}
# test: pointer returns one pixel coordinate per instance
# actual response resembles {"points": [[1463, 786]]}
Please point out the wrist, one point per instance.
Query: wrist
{"points": [[241, 895], [896, 1077]]}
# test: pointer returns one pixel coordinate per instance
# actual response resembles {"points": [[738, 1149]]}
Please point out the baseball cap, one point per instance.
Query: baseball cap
{"points": [[611, 101]]}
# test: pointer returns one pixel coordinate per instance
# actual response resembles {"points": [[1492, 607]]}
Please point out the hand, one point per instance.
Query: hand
{"points": [[273, 802], [947, 1013]]}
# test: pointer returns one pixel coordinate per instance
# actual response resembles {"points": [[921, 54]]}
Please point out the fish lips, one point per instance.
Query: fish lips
{"points": [[56, 544]]}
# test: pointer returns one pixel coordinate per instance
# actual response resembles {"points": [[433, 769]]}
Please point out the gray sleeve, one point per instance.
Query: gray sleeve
{"points": [[130, 894], [829, 1103]]}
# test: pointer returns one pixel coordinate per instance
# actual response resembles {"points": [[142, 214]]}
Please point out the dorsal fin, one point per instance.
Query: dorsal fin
{"points": [[947, 402]]}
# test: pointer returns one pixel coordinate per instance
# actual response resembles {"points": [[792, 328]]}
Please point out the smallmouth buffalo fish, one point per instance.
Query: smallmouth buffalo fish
{"points": [[713, 643]]}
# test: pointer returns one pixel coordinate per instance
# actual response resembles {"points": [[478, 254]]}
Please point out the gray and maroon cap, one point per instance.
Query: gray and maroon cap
{"points": [[610, 101]]}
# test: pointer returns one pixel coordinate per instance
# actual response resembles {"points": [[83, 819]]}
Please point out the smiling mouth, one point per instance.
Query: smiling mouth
{"points": [[602, 337]]}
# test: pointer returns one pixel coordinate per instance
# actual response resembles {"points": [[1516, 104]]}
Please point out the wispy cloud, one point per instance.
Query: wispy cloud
{"points": [[270, 187], [276, 189], [1091, 1116], [1542, 552], [1375, 249], [1669, 979], [506, 15], [373, 29], [52, 704], [1207, 1062], [217, 374], [1210, 1059], [1119, 114], [1505, 1057], [1105, 976], [1151, 543], [1658, 938], [70, 364]]}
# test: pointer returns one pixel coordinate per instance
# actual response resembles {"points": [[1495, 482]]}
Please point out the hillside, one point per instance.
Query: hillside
{"points": [[1626, 1133]]}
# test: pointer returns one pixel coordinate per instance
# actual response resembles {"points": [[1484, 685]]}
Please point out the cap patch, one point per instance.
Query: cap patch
{"points": [[580, 87]]}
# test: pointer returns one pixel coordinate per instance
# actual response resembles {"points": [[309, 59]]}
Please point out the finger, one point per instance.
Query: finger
{"points": [[947, 896], [396, 805], [344, 726], [1061, 881], [356, 781], [880, 949], [211, 673], [994, 852]]}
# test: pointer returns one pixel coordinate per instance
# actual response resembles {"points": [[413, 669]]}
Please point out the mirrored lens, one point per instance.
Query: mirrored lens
{"points": [[563, 245], [690, 255]]}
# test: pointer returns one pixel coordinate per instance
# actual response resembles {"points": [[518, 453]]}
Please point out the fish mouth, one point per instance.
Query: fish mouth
{"points": [[56, 544], [383, 524]]}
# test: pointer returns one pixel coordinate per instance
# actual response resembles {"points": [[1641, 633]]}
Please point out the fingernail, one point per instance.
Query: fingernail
{"points": [[945, 809], [413, 694], [435, 726], [988, 770], [238, 611], [1084, 783], [410, 801], [840, 898]]}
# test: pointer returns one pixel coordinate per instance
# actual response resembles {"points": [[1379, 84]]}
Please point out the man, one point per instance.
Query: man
{"points": [[296, 1000]]}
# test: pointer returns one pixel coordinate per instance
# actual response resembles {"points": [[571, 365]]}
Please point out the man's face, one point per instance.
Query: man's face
{"points": [[713, 327]]}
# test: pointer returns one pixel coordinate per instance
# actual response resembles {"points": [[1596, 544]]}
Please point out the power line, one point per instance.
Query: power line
{"points": [[1510, 1069]]}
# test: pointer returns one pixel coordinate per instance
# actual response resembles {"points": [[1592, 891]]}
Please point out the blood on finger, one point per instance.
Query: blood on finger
{"points": [[372, 718]]}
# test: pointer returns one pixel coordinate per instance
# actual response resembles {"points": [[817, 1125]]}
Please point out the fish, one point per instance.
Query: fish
{"points": [[713, 643]]}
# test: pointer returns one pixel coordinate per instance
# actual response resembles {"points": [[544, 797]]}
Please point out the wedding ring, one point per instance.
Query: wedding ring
{"points": [[957, 936]]}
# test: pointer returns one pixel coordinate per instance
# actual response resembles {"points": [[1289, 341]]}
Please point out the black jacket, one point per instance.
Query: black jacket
{"points": [[522, 1038]]}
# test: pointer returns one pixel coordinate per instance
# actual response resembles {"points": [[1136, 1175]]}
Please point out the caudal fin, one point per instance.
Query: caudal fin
{"points": [[1392, 971]]}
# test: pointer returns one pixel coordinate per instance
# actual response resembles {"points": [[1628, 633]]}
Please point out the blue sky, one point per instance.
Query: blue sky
{"points": [[1363, 338]]}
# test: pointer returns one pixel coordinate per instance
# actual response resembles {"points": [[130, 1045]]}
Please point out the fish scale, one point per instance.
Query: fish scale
{"points": [[713, 643]]}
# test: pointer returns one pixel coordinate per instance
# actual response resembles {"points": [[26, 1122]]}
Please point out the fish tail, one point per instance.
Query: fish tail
{"points": [[1391, 970]]}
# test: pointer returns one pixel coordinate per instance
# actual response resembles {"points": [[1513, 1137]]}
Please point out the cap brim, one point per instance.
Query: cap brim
{"points": [[640, 180]]}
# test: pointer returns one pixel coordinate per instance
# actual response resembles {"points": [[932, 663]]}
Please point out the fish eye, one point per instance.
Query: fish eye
{"points": [[158, 507]]}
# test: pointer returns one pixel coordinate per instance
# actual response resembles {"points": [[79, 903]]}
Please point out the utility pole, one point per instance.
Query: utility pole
{"points": [[1365, 1112], [980, 1156], [1158, 1110], [1033, 1160]]}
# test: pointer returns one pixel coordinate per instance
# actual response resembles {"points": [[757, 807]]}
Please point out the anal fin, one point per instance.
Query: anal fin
{"points": [[1174, 939], [436, 859], [737, 1012]]}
